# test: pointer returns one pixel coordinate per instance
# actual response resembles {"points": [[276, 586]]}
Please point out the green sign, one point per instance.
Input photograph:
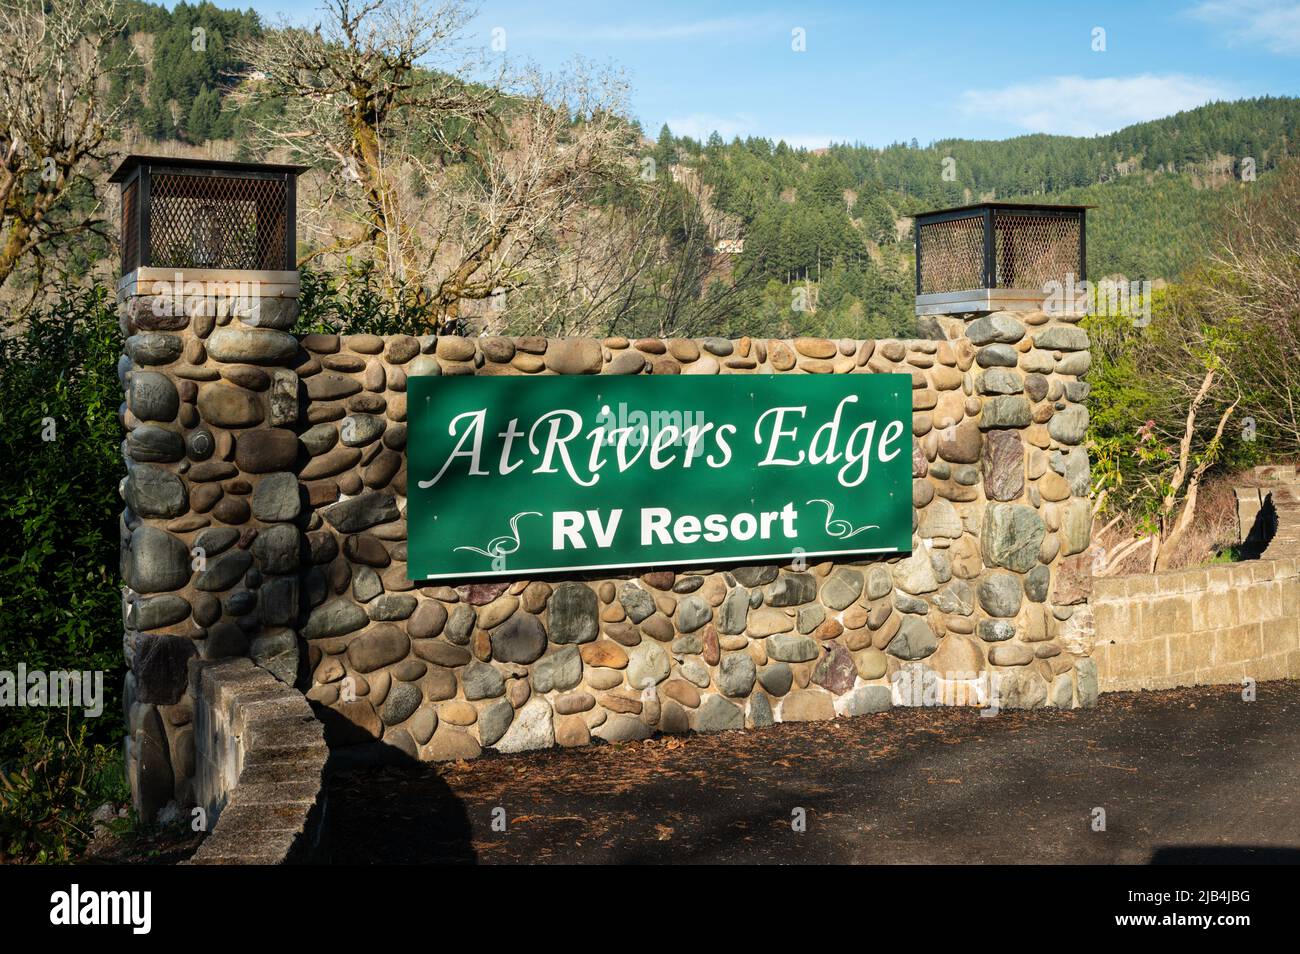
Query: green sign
{"points": [[509, 475]]}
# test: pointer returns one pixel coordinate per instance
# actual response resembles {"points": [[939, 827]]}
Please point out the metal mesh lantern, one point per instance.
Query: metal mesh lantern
{"points": [[997, 256], [192, 213]]}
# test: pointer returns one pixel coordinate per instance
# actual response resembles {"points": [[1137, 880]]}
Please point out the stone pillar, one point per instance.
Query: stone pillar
{"points": [[210, 531], [1036, 521]]}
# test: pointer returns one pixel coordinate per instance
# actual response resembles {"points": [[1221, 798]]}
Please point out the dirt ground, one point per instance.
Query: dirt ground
{"points": [[1189, 775]]}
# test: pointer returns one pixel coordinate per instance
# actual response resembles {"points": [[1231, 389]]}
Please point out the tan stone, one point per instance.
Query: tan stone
{"points": [[605, 653], [457, 713], [768, 620]]}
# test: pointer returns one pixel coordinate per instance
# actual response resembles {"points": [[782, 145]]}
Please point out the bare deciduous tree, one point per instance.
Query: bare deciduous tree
{"points": [[458, 189], [54, 123]]}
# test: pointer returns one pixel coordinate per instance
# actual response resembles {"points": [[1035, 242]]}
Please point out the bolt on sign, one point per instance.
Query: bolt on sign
{"points": [[511, 475]]}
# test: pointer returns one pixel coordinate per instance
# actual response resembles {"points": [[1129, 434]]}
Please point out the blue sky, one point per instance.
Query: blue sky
{"points": [[882, 72]]}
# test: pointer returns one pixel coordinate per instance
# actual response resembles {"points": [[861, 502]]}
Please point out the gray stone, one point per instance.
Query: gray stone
{"points": [[1010, 536], [560, 670], [939, 520], [402, 701], [692, 613], [494, 720], [215, 540], [154, 492], [879, 582], [276, 548], [153, 396], [694, 672], [366, 584], [647, 665], [160, 666], [1000, 381], [334, 619], [251, 346], [276, 497], [733, 613], [277, 601], [997, 355], [1069, 426], [998, 327], [1020, 688], [320, 438], [956, 599], [224, 572], [1085, 671], [716, 714], [636, 602], [736, 674], [153, 781], [752, 576], [1000, 594], [361, 512], [910, 604], [574, 615], [520, 639], [151, 443], [995, 630], [810, 617], [154, 348], [760, 711], [620, 727], [788, 647], [532, 728], [688, 644], [1036, 583], [868, 699], [914, 640], [1008, 411], [915, 575], [1062, 338], [392, 607], [157, 611], [282, 400], [792, 589], [358, 430], [277, 652], [776, 678], [842, 588], [481, 681], [1062, 691], [460, 624]]}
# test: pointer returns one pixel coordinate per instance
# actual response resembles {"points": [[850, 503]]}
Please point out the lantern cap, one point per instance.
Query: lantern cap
{"points": [[1025, 206], [129, 164]]}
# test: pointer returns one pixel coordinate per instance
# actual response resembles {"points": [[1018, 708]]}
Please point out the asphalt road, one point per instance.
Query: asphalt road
{"points": [[1189, 775]]}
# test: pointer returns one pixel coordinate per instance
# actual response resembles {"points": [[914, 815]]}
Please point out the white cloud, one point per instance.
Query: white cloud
{"points": [[700, 125], [1076, 106], [1272, 24]]}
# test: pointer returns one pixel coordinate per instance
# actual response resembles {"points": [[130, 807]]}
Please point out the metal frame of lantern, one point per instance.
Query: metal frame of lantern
{"points": [[997, 256], [211, 220]]}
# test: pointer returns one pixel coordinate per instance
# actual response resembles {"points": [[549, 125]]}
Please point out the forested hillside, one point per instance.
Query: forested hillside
{"points": [[825, 232]]}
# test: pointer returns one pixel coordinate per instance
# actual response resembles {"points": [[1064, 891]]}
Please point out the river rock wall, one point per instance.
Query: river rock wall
{"points": [[264, 517]]}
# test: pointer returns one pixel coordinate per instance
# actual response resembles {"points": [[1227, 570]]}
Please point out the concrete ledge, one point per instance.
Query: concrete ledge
{"points": [[259, 754], [1214, 625]]}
